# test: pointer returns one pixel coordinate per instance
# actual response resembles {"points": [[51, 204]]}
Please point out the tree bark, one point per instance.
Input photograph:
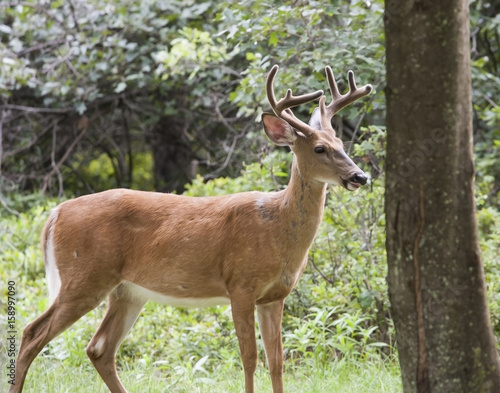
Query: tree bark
{"points": [[172, 155], [436, 280]]}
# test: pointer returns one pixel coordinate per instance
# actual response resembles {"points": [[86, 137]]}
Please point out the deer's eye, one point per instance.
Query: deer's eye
{"points": [[319, 149]]}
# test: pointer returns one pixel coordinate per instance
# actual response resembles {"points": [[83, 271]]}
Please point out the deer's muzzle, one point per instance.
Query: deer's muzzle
{"points": [[355, 181]]}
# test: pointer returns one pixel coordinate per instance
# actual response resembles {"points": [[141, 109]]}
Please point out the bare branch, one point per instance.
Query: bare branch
{"points": [[56, 167], [29, 145], [41, 46], [6, 207], [32, 109]]}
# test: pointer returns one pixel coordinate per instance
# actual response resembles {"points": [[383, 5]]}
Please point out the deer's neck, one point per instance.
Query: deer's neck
{"points": [[306, 199]]}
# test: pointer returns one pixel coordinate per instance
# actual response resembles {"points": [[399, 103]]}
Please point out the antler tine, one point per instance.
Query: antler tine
{"points": [[340, 101], [282, 107]]}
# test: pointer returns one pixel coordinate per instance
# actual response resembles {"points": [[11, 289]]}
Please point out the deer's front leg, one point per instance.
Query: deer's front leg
{"points": [[269, 317], [243, 311]]}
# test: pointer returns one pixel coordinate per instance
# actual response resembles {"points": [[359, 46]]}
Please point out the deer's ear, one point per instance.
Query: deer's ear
{"points": [[278, 130], [315, 120]]}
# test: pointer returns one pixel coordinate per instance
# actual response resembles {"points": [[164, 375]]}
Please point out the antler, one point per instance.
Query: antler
{"points": [[282, 107], [340, 101]]}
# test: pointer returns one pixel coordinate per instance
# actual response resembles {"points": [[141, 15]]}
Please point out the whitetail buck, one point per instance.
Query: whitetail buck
{"points": [[246, 249]]}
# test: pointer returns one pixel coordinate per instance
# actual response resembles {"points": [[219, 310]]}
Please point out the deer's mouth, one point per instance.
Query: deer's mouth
{"points": [[355, 181], [350, 185]]}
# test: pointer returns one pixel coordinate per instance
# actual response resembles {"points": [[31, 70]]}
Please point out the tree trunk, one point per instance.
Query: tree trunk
{"points": [[436, 280], [172, 155]]}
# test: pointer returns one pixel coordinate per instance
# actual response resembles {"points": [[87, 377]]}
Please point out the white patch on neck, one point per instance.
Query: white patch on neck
{"points": [[260, 202]]}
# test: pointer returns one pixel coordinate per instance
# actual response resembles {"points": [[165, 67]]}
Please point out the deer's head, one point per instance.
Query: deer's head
{"points": [[320, 153]]}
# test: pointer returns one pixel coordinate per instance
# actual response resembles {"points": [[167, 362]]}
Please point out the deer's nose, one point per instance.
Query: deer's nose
{"points": [[359, 178]]}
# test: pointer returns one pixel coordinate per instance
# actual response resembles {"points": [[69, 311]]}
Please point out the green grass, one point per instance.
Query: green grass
{"points": [[51, 376]]}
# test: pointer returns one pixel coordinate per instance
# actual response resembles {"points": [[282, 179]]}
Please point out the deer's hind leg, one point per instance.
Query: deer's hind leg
{"points": [[123, 309], [68, 307]]}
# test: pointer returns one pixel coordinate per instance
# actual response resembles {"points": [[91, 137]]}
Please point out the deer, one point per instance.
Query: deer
{"points": [[246, 250]]}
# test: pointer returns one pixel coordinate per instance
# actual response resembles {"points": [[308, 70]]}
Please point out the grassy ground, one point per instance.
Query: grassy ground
{"points": [[51, 376]]}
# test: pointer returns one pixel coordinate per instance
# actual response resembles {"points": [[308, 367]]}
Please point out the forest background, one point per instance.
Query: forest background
{"points": [[167, 96]]}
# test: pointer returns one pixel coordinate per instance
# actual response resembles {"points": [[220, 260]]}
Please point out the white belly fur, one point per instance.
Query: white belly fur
{"points": [[143, 293]]}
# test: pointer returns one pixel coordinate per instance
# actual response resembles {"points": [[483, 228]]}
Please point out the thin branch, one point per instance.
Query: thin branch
{"points": [[29, 145], [73, 15], [56, 167], [6, 207], [60, 59], [53, 161], [32, 109], [41, 46], [71, 67], [324, 276], [490, 101], [233, 144]]}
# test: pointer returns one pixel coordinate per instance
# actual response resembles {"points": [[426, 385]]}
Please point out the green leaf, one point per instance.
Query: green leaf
{"points": [[120, 87], [365, 299], [273, 39], [80, 107], [5, 29]]}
